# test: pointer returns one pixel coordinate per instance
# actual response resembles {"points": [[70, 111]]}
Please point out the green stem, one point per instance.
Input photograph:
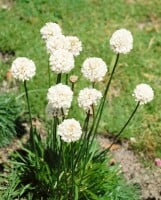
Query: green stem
{"points": [[59, 171], [72, 169], [66, 79], [54, 132], [122, 129], [58, 78], [49, 73], [93, 84], [63, 114], [65, 168], [105, 93], [83, 140], [98, 116], [28, 105]]}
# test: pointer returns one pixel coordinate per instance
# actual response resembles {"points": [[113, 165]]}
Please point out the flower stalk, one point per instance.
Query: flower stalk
{"points": [[121, 131], [28, 105]]}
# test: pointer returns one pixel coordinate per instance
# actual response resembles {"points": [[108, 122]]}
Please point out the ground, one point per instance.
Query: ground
{"points": [[147, 178]]}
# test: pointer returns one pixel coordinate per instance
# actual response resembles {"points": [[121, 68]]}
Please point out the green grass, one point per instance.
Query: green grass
{"points": [[93, 22], [10, 110]]}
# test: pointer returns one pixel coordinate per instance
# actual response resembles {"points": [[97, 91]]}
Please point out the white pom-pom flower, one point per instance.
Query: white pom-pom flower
{"points": [[50, 29], [94, 69], [143, 93], [75, 45], [121, 41], [23, 69], [69, 130], [60, 96], [61, 61], [57, 42], [88, 97]]}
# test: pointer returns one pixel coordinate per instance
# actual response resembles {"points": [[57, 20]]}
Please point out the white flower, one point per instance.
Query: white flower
{"points": [[121, 41], [51, 111], [57, 42], [94, 69], [23, 69], [143, 93], [50, 29], [75, 45], [88, 97], [61, 61], [60, 96], [69, 130]]}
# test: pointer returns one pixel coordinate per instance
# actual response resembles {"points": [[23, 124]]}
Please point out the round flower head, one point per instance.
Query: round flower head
{"points": [[61, 61], [121, 41], [75, 45], [70, 130], [88, 97], [60, 96], [55, 112], [57, 42], [23, 69], [94, 69], [143, 93], [50, 29]]}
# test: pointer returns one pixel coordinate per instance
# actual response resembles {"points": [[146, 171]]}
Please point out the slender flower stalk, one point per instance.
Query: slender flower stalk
{"points": [[98, 116], [105, 93], [93, 84], [49, 74], [56, 122], [66, 79], [72, 171], [121, 131], [28, 105], [58, 80], [83, 139]]}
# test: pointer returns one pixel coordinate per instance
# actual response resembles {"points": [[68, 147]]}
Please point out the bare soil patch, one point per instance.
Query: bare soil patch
{"points": [[147, 178]]}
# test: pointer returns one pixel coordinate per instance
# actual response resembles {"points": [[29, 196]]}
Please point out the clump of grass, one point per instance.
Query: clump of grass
{"points": [[10, 109], [99, 181]]}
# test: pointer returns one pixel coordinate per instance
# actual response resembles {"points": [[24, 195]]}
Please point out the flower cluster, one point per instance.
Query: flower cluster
{"points": [[61, 61], [88, 97], [57, 42], [75, 45], [69, 130], [60, 96], [23, 69], [143, 93], [61, 48], [121, 41], [50, 29], [94, 69]]}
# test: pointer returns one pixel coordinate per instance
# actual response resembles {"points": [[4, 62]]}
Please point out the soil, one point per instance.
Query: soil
{"points": [[147, 178], [6, 4]]}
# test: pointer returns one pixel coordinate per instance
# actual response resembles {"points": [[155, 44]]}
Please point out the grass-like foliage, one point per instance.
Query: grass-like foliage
{"points": [[42, 175], [10, 110]]}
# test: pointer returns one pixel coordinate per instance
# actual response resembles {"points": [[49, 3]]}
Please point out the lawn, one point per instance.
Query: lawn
{"points": [[94, 22]]}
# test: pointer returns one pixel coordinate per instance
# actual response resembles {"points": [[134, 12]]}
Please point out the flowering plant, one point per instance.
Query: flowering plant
{"points": [[64, 165]]}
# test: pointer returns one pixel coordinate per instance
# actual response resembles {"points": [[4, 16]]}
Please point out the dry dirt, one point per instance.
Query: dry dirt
{"points": [[147, 178]]}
